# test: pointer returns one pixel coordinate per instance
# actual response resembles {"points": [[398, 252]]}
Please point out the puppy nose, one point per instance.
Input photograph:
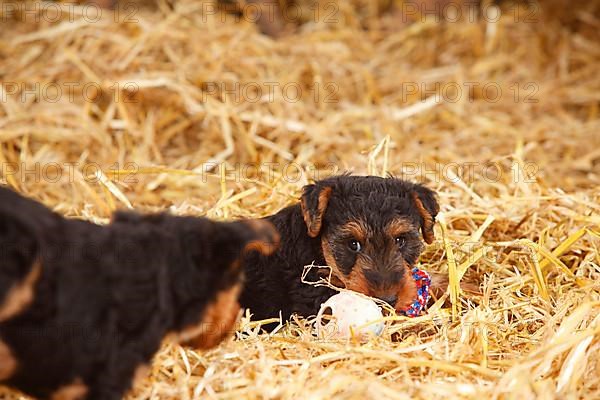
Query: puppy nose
{"points": [[391, 299]]}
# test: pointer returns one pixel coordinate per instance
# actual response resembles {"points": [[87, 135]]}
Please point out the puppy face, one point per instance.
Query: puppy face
{"points": [[369, 232]]}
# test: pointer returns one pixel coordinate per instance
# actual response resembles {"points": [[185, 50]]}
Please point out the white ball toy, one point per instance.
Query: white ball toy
{"points": [[347, 315]]}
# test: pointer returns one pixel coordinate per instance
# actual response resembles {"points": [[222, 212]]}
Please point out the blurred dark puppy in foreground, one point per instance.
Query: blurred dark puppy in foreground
{"points": [[84, 307], [365, 228]]}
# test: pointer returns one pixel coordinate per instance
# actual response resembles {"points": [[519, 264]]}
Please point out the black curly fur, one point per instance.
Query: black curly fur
{"points": [[107, 295]]}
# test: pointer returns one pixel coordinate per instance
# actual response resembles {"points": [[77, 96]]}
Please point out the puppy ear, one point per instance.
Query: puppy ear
{"points": [[260, 236], [314, 203], [428, 208]]}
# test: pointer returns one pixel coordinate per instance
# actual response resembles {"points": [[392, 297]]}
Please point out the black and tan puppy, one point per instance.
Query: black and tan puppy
{"points": [[83, 307], [365, 228]]}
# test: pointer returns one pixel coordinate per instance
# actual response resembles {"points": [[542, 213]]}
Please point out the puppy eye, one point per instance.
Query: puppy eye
{"points": [[400, 241], [354, 245]]}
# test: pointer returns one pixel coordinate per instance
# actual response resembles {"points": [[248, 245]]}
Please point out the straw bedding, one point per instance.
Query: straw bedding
{"points": [[518, 177]]}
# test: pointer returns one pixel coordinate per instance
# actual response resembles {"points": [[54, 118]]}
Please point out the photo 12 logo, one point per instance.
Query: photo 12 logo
{"points": [[269, 92], [270, 11], [54, 172], [54, 12], [471, 11], [72, 92], [470, 91], [469, 172]]}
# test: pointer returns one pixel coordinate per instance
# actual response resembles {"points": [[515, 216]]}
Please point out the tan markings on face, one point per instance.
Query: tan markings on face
{"points": [[8, 364], [73, 391], [330, 261], [407, 291], [357, 229], [355, 281], [20, 295], [218, 321], [398, 226]]}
